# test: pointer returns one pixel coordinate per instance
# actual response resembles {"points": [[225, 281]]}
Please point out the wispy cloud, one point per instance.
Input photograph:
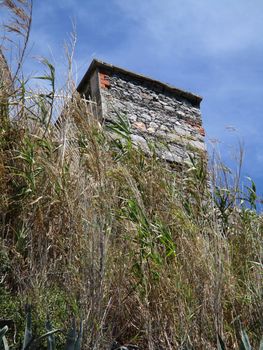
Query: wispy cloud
{"points": [[212, 26]]}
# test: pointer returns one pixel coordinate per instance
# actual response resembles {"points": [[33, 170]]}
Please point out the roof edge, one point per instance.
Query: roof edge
{"points": [[97, 64]]}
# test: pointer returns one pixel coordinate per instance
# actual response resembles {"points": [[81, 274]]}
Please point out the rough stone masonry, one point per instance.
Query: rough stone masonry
{"points": [[158, 113]]}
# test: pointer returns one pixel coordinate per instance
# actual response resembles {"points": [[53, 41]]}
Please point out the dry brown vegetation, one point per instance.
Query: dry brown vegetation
{"points": [[92, 227]]}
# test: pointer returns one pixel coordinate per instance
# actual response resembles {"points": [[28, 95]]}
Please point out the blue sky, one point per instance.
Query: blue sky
{"points": [[210, 47]]}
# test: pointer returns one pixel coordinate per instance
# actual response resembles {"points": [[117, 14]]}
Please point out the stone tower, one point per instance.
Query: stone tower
{"points": [[157, 112]]}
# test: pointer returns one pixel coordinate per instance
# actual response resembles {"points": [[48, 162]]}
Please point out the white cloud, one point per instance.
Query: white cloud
{"points": [[210, 26]]}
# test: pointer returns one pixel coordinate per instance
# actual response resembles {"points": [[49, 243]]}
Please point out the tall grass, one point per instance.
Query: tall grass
{"points": [[91, 226]]}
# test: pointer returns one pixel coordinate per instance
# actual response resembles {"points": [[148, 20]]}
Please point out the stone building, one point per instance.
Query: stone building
{"points": [[157, 112]]}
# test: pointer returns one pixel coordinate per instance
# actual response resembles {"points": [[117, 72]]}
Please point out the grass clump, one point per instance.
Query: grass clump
{"points": [[142, 253]]}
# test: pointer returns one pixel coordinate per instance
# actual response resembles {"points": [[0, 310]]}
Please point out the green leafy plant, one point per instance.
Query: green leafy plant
{"points": [[122, 129], [251, 197], [244, 343], [74, 337], [3, 341], [31, 341]]}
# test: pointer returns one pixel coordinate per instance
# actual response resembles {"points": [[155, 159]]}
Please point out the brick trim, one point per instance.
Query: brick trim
{"points": [[104, 80]]}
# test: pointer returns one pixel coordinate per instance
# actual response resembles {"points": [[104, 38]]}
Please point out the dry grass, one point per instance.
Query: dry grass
{"points": [[120, 240], [143, 254]]}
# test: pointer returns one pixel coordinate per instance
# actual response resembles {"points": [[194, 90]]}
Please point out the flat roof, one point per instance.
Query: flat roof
{"points": [[97, 64]]}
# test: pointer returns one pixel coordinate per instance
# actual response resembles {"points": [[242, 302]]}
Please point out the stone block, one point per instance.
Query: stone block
{"points": [[141, 142], [153, 125], [139, 125], [169, 108]]}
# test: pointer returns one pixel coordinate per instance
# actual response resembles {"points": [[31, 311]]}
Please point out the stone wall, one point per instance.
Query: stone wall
{"points": [[157, 115]]}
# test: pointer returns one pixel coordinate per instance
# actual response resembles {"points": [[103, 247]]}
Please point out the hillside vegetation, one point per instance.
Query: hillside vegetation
{"points": [[93, 228]]}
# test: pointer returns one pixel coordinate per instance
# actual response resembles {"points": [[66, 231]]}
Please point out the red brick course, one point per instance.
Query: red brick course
{"points": [[202, 131], [104, 81]]}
